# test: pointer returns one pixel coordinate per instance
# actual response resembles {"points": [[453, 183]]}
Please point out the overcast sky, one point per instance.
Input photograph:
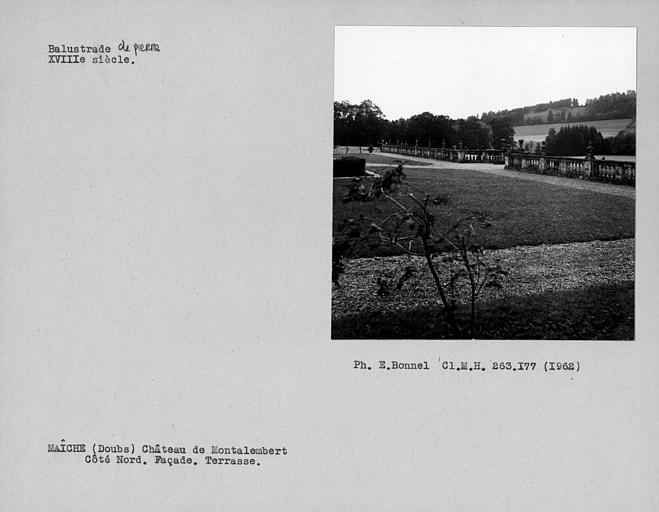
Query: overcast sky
{"points": [[463, 71]]}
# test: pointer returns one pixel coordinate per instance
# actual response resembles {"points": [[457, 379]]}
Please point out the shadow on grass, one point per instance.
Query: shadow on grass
{"points": [[595, 313]]}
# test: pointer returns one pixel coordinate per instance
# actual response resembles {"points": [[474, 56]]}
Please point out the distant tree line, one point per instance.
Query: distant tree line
{"points": [[612, 106], [364, 124], [573, 141], [609, 106], [569, 102]]}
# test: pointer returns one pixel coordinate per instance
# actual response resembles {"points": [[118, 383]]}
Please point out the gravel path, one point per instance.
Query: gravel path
{"points": [[531, 270], [604, 188]]}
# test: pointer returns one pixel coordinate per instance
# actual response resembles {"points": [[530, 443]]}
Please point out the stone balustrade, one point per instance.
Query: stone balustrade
{"points": [[494, 156], [610, 171]]}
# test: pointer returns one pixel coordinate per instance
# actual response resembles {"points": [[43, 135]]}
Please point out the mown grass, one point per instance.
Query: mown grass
{"points": [[519, 212], [595, 313], [374, 158]]}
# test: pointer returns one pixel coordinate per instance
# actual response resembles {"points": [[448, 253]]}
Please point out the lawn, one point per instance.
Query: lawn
{"points": [[518, 212], [374, 158]]}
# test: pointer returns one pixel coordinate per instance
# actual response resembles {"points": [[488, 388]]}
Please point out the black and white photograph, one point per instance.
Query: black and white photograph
{"points": [[484, 183], [191, 321]]}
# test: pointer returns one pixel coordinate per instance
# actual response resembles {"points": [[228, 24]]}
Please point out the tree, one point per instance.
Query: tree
{"points": [[395, 131], [427, 126], [573, 141], [344, 118], [368, 120], [361, 124], [624, 143], [473, 134], [503, 132]]}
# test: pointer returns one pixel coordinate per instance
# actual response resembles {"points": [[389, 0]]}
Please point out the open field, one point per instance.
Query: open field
{"points": [[538, 132], [540, 117], [569, 256]]}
